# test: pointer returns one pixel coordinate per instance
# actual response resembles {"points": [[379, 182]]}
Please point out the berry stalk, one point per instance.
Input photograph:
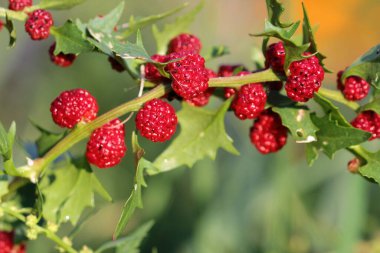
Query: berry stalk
{"points": [[18, 15], [338, 97]]}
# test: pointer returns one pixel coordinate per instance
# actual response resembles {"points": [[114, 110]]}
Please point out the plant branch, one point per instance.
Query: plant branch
{"points": [[17, 15], [338, 97]]}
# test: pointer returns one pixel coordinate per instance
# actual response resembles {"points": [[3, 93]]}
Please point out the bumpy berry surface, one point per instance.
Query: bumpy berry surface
{"points": [[61, 59], [38, 24], [189, 75], [226, 71], [115, 65], [156, 120], [106, 146], [19, 5], [73, 106], [250, 100], [151, 72], [368, 121], [305, 78], [275, 57], [354, 88], [6, 242], [267, 133], [203, 98], [185, 42]]}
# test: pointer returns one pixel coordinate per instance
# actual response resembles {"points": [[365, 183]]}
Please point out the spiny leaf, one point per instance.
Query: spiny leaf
{"points": [[70, 192], [366, 67], [311, 154], [297, 119], [329, 108], [135, 24], [371, 168], [70, 39], [107, 23], [180, 25], [202, 134], [275, 10], [332, 137], [215, 52], [134, 201], [12, 32], [58, 4]]}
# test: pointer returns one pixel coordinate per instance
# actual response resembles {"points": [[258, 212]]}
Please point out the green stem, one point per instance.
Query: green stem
{"points": [[358, 151], [338, 97], [237, 81], [49, 234], [18, 15]]}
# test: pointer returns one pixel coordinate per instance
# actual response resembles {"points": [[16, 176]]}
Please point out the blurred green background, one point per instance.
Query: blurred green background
{"points": [[246, 203]]}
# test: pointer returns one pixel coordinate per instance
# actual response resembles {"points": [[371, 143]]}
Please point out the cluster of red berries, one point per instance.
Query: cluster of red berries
{"points": [[368, 121], [7, 243]]}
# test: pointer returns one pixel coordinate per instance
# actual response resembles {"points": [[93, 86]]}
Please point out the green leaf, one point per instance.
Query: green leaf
{"points": [[135, 24], [332, 137], [308, 36], [371, 169], [70, 39], [134, 201], [180, 25], [12, 32], [46, 140], [59, 4], [6, 149], [311, 154], [4, 143], [3, 185], [130, 243], [329, 108], [70, 192], [366, 67], [372, 106], [215, 52], [275, 10], [297, 119], [202, 134], [107, 23]]}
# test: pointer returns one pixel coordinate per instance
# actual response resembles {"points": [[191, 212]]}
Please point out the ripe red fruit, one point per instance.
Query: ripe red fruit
{"points": [[72, 107], [353, 165], [203, 98], [267, 133], [354, 88], [305, 78], [275, 57], [115, 65], [19, 5], [190, 77], [106, 146], [151, 72], [38, 24], [6, 242], [368, 121], [250, 100], [156, 120], [185, 42], [226, 71], [61, 59]]}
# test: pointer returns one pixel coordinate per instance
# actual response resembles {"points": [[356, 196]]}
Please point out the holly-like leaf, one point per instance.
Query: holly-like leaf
{"points": [[130, 243], [366, 67], [134, 201], [275, 10], [297, 119], [329, 108], [58, 4], [202, 134], [180, 25], [46, 140], [215, 52], [371, 168], [12, 32], [136, 24], [311, 153], [332, 137], [308, 36], [70, 192], [372, 106], [107, 23], [70, 39]]}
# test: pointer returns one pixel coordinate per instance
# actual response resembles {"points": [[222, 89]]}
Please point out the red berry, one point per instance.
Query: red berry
{"points": [[185, 42], [61, 59], [354, 88], [38, 24], [156, 120], [368, 121], [72, 107], [6, 242], [275, 57], [190, 77], [267, 133], [203, 98], [19, 5], [115, 65], [250, 100], [226, 71], [106, 146], [354, 165], [304, 79], [151, 72]]}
